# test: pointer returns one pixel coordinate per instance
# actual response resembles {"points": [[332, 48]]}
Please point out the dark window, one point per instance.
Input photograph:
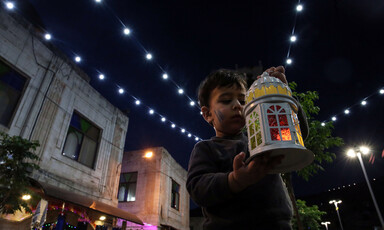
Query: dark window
{"points": [[82, 141], [175, 197], [11, 87], [127, 187]]}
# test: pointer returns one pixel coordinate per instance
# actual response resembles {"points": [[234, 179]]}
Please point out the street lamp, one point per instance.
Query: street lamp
{"points": [[353, 152], [326, 224], [335, 202]]}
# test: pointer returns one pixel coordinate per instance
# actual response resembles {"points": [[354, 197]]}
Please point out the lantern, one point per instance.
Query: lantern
{"points": [[273, 126]]}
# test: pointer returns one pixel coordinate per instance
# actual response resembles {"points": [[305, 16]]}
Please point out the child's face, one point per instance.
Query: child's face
{"points": [[226, 110]]}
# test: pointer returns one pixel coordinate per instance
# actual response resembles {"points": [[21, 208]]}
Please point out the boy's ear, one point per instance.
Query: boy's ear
{"points": [[207, 114]]}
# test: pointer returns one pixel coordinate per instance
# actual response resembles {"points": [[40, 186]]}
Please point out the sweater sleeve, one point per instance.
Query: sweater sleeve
{"points": [[206, 185]]}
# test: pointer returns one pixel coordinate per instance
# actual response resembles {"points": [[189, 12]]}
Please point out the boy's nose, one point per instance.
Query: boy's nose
{"points": [[237, 105]]}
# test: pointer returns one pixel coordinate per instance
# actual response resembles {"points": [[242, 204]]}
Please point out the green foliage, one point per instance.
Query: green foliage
{"points": [[320, 138], [16, 163], [310, 216]]}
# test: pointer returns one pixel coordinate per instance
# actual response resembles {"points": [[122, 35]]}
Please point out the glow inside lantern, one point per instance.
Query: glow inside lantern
{"points": [[273, 126]]}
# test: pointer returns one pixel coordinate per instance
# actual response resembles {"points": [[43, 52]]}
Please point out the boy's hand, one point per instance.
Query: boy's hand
{"points": [[278, 72], [244, 175]]}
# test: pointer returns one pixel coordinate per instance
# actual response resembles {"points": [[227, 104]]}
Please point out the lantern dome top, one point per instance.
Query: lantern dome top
{"points": [[267, 85]]}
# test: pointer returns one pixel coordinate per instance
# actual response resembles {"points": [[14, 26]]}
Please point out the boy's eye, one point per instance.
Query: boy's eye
{"points": [[226, 101], [242, 102]]}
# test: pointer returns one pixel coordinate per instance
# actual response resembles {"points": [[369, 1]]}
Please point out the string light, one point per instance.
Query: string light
{"points": [[173, 126], [293, 38], [192, 103], [334, 118], [299, 8], [183, 130], [189, 135], [289, 61], [165, 76], [78, 59], [163, 119], [381, 91], [363, 102], [98, 1], [126, 31], [101, 76], [121, 90], [10, 5], [148, 56], [181, 91], [346, 111], [137, 102], [322, 124], [151, 111], [47, 36]]}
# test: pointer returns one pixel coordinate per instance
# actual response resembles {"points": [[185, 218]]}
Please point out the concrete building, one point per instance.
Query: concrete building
{"points": [[44, 96], [152, 186]]}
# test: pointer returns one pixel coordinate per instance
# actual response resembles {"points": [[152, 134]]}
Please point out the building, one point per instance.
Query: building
{"points": [[44, 96], [152, 186]]}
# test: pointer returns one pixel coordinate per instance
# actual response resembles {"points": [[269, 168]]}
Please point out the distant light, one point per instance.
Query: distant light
{"points": [[101, 76], [173, 126], [289, 61], [126, 31], [201, 113], [148, 154], [165, 76], [364, 102], [10, 5], [351, 153], [137, 102], [192, 103], [381, 91], [151, 111], [293, 38], [183, 130], [163, 119], [121, 90], [78, 59], [299, 7], [47, 36], [334, 118], [26, 197], [148, 56], [196, 138], [322, 124], [102, 217], [189, 135], [346, 111], [181, 91], [364, 150]]}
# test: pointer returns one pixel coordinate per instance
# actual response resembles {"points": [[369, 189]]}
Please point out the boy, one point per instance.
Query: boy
{"points": [[232, 194]]}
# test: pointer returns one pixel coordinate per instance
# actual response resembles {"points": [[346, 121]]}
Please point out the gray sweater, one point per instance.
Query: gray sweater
{"points": [[264, 205]]}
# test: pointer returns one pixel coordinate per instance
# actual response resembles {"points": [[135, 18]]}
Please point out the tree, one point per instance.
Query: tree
{"points": [[319, 141], [310, 216], [16, 163]]}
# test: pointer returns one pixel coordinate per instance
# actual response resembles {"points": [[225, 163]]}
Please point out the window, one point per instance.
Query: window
{"points": [[11, 87], [82, 141], [175, 197], [127, 187]]}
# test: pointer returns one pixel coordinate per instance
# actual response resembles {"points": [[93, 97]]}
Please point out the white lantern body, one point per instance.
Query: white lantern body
{"points": [[273, 126]]}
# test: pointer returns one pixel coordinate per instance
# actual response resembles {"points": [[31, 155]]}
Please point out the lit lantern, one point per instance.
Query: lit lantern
{"points": [[273, 126]]}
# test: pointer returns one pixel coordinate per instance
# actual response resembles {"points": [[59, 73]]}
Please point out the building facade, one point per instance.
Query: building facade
{"points": [[45, 97], [152, 186]]}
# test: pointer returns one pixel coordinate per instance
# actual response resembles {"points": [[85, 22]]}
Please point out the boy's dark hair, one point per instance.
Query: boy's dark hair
{"points": [[218, 79]]}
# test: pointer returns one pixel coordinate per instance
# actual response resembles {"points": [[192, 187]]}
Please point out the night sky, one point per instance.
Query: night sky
{"points": [[339, 53]]}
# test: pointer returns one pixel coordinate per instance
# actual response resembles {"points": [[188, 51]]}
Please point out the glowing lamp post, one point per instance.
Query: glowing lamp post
{"points": [[357, 152], [326, 224], [273, 126], [337, 210]]}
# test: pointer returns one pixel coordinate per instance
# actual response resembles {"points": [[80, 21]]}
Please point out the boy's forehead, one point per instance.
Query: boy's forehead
{"points": [[233, 89]]}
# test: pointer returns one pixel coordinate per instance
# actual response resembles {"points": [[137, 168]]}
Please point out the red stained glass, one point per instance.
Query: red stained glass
{"points": [[278, 107], [272, 121], [271, 109], [275, 136], [283, 120], [286, 134]]}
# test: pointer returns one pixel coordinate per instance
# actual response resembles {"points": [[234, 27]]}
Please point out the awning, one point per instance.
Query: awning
{"points": [[68, 196]]}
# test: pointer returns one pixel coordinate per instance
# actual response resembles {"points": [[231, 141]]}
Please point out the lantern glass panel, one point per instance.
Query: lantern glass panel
{"points": [[251, 129], [259, 139], [286, 134], [253, 142], [272, 121], [275, 136], [283, 120]]}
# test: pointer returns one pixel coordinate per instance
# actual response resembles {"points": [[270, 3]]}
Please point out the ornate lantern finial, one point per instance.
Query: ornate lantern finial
{"points": [[273, 126]]}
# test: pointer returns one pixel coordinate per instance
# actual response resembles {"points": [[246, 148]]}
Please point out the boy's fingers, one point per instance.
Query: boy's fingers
{"points": [[238, 161]]}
